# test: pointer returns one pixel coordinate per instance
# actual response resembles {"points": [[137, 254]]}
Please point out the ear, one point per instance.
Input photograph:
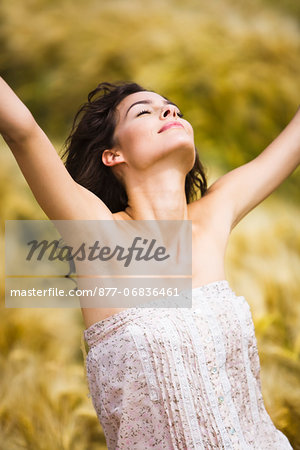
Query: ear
{"points": [[111, 157]]}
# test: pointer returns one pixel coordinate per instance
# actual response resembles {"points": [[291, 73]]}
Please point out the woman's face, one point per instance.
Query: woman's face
{"points": [[149, 128]]}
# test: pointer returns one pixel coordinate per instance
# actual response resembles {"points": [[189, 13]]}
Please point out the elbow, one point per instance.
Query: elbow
{"points": [[21, 132]]}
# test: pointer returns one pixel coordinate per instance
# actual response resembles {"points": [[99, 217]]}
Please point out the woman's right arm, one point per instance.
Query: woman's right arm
{"points": [[55, 190]]}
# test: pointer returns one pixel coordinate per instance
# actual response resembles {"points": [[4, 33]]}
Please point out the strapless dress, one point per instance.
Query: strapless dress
{"points": [[181, 378]]}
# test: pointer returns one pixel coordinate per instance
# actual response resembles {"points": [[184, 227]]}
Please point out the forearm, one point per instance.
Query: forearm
{"points": [[16, 121], [285, 149]]}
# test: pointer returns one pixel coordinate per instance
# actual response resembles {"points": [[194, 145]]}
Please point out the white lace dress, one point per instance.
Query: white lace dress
{"points": [[181, 378]]}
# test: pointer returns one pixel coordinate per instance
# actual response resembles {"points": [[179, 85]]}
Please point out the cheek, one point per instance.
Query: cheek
{"points": [[136, 140], [127, 135]]}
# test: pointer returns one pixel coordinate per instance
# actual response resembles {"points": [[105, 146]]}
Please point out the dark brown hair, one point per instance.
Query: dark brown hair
{"points": [[92, 133]]}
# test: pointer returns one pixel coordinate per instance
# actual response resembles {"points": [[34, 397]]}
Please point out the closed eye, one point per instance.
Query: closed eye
{"points": [[143, 112]]}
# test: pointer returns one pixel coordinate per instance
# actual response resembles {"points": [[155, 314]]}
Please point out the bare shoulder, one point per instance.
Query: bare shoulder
{"points": [[93, 208]]}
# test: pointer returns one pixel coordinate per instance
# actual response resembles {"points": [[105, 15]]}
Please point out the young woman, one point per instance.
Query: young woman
{"points": [[175, 379]]}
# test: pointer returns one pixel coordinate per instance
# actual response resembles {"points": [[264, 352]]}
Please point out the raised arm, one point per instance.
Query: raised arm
{"points": [[240, 190], [53, 187]]}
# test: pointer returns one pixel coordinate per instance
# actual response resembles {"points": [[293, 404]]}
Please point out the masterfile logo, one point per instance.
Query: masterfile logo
{"points": [[110, 263]]}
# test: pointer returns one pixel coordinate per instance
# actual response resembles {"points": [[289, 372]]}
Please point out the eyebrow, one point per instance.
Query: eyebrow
{"points": [[148, 102]]}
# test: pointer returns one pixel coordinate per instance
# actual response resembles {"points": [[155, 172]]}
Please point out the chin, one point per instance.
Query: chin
{"points": [[186, 151], [177, 151]]}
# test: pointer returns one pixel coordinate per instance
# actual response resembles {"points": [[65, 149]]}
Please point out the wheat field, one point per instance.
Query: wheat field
{"points": [[234, 70]]}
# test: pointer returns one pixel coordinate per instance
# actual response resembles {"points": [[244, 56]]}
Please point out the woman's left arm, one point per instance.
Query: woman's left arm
{"points": [[245, 187]]}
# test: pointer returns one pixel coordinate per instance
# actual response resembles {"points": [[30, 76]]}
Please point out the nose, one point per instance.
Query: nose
{"points": [[168, 111]]}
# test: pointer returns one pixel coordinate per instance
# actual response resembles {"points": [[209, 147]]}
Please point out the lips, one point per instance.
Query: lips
{"points": [[170, 125]]}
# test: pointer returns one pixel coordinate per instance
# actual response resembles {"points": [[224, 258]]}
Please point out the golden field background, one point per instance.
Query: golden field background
{"points": [[233, 68]]}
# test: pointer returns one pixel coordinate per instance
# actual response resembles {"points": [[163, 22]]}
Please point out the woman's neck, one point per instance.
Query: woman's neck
{"points": [[157, 198]]}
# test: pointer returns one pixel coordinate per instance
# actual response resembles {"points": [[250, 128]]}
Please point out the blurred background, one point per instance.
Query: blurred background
{"points": [[233, 67]]}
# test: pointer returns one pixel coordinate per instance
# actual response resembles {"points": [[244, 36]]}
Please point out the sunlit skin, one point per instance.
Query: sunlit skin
{"points": [[153, 166], [154, 150]]}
